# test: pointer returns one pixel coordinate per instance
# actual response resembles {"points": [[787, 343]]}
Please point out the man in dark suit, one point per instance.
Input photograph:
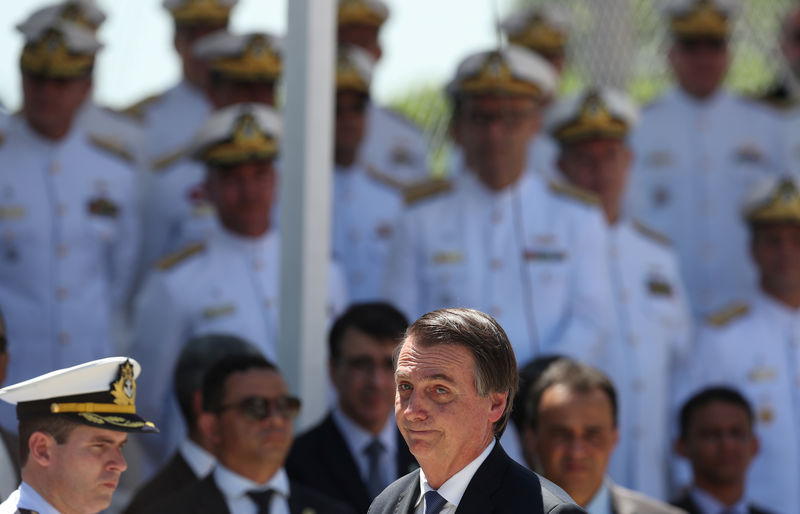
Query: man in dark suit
{"points": [[570, 432], [456, 377], [716, 435], [356, 451], [9, 444], [248, 417], [194, 458]]}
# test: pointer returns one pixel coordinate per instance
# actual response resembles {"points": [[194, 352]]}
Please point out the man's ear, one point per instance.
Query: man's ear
{"points": [[40, 449], [498, 405]]}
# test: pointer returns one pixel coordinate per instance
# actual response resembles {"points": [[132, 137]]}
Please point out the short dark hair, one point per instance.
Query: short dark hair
{"points": [[379, 320], [528, 375], [712, 395], [495, 363], [217, 376], [58, 427], [199, 354], [577, 377]]}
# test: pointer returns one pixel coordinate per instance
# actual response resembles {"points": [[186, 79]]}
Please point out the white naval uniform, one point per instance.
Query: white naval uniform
{"points": [[533, 259], [758, 353], [695, 164], [654, 333], [231, 286], [124, 130], [69, 241], [365, 212], [25, 497], [173, 118], [791, 131], [394, 145], [543, 156]]}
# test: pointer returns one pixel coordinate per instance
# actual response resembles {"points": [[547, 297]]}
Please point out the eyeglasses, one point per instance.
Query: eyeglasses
{"points": [[260, 408], [368, 365]]}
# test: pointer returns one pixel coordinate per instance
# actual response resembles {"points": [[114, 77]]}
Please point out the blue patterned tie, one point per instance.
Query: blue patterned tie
{"points": [[375, 475], [433, 502]]}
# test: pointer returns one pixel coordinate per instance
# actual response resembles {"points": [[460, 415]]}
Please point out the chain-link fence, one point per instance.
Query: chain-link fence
{"points": [[624, 43]]}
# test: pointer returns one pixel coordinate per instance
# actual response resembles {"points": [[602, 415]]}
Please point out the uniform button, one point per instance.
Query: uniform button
{"points": [[63, 338], [62, 250], [638, 385], [496, 264], [258, 264], [268, 303], [55, 167], [62, 293], [61, 209], [624, 296], [613, 252], [497, 216]]}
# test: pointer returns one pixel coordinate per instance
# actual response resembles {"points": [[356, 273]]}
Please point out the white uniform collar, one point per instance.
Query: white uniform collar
{"points": [[710, 505], [232, 485], [455, 486], [781, 312], [720, 95], [246, 244], [199, 461], [358, 439], [474, 184], [32, 500]]}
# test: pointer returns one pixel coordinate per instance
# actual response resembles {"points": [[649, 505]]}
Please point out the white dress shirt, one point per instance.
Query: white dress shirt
{"points": [[234, 488], [455, 486], [600, 502], [358, 439], [710, 505], [199, 461], [26, 497]]}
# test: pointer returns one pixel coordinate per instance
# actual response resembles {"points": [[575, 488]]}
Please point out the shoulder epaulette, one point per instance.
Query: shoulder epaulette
{"points": [[384, 178], [137, 110], [576, 193], [425, 188], [650, 233], [727, 314], [112, 146], [173, 259], [167, 160]]}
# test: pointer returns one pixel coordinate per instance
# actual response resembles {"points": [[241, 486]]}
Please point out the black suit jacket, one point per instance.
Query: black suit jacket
{"points": [[686, 503], [171, 478], [204, 497], [500, 486], [321, 459]]}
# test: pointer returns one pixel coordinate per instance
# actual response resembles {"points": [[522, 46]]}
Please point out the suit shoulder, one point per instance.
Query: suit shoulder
{"points": [[387, 501], [426, 189], [174, 259], [638, 502], [112, 146], [571, 192], [138, 110], [728, 314], [652, 234], [310, 501], [163, 162]]}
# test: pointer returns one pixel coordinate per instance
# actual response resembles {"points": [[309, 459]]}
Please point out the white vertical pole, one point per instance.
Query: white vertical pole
{"points": [[306, 203]]}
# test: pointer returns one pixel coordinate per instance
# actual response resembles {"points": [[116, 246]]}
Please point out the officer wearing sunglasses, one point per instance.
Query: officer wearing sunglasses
{"points": [[249, 417]]}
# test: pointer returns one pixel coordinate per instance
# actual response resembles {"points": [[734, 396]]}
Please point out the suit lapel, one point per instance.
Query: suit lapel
{"points": [[406, 463], [485, 482], [337, 458], [407, 499], [209, 498]]}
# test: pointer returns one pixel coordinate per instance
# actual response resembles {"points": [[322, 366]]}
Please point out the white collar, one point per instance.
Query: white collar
{"points": [[455, 486], [600, 502], [249, 245], [199, 461], [782, 312], [30, 499], [232, 485], [358, 439], [710, 505]]}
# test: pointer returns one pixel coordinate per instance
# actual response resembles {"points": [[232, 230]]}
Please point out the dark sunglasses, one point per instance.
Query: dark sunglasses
{"points": [[260, 408]]}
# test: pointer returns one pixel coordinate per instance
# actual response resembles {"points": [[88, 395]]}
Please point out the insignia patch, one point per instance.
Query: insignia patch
{"points": [[766, 415], [762, 374], [749, 153], [658, 286], [659, 159], [11, 212], [543, 255], [447, 257], [124, 388], [103, 207], [216, 312], [401, 155]]}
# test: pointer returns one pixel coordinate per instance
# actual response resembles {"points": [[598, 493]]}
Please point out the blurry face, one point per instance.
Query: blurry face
{"points": [[439, 412], [243, 195], [790, 42], [50, 105], [776, 252], [194, 69], [699, 65], [224, 93], [364, 379], [574, 440], [351, 122], [719, 443], [242, 439], [600, 166], [494, 132], [362, 36], [85, 470]]}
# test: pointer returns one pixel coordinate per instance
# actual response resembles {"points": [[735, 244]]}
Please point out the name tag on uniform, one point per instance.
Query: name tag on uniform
{"points": [[749, 153], [543, 255], [447, 257], [659, 287], [103, 207], [762, 374], [216, 312], [11, 212]]}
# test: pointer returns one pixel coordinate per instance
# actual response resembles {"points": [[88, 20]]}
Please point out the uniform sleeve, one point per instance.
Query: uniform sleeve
{"points": [[401, 284], [589, 325]]}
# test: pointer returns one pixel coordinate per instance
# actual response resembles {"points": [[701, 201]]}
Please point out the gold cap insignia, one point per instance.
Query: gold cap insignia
{"points": [[359, 12], [50, 57], [124, 388], [495, 77], [704, 20], [257, 63], [781, 205], [594, 120], [348, 76], [540, 36], [247, 144], [201, 12]]}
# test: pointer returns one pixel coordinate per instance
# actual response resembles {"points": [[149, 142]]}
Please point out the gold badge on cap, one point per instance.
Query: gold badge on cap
{"points": [[124, 388]]}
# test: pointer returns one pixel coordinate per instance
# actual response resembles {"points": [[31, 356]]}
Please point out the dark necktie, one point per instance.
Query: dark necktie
{"points": [[261, 499], [375, 475], [433, 502]]}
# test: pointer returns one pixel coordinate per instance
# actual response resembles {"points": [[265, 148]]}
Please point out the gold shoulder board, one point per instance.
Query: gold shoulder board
{"points": [[173, 259], [137, 110], [167, 160], [727, 314], [650, 233], [384, 178], [576, 193], [112, 146], [425, 188]]}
